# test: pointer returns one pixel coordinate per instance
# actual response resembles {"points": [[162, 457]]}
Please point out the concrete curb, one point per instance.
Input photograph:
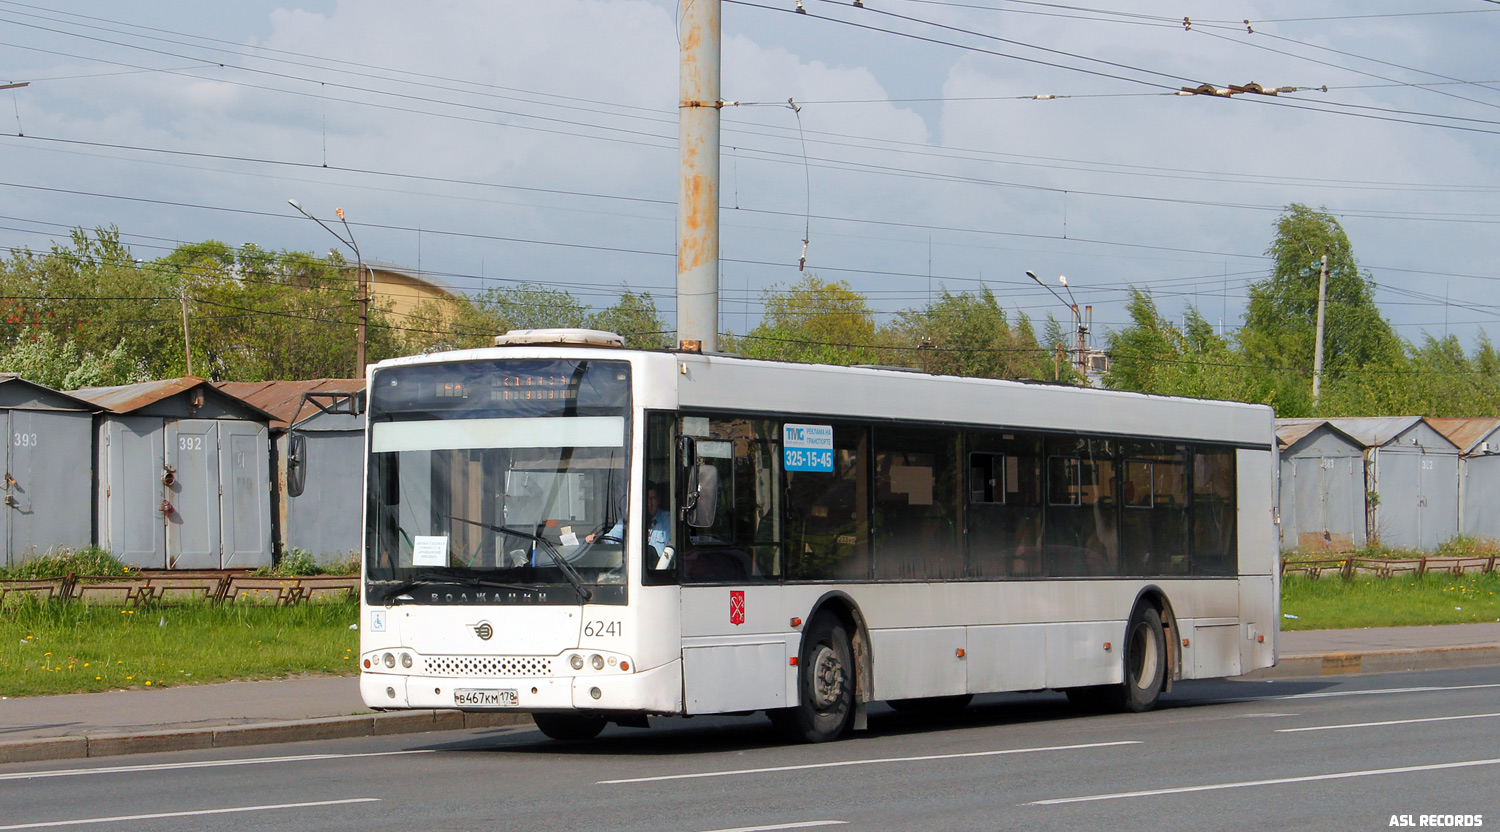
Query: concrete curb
{"points": [[263, 733], [416, 722], [1387, 661]]}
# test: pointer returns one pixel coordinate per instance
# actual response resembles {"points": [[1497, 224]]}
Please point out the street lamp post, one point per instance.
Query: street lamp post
{"points": [[1080, 330], [361, 293]]}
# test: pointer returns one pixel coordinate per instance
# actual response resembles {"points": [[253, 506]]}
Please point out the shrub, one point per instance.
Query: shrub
{"points": [[293, 563], [90, 560]]}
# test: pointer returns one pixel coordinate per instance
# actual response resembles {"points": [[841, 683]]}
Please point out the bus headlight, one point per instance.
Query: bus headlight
{"points": [[389, 660], [576, 661], [597, 661], [406, 660]]}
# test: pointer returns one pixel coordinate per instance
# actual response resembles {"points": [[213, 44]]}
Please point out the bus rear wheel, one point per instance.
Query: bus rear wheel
{"points": [[825, 684], [1145, 670], [572, 727]]}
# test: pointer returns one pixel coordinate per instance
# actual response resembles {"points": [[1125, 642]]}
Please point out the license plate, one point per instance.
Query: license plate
{"points": [[480, 698]]}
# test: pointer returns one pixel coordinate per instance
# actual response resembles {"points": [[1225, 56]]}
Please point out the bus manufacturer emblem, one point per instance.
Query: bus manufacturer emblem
{"points": [[736, 606], [483, 630]]}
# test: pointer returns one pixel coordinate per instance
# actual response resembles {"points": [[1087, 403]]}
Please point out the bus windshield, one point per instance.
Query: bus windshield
{"points": [[507, 475]]}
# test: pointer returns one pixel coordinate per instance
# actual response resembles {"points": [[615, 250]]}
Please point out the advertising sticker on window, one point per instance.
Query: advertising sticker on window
{"points": [[808, 448]]}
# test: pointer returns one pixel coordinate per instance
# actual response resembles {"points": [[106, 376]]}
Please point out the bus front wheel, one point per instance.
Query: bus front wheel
{"points": [[570, 726], [825, 684]]}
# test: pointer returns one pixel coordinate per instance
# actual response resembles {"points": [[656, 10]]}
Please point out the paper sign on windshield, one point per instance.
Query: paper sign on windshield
{"points": [[429, 550], [808, 448]]}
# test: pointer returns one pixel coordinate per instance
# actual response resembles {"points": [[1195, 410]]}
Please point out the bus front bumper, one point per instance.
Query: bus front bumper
{"points": [[657, 690]]}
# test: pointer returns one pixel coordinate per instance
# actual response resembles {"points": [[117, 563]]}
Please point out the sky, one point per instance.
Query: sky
{"points": [[502, 142]]}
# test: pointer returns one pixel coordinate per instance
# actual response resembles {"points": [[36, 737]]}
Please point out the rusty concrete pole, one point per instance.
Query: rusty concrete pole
{"points": [[698, 188], [1318, 344]]}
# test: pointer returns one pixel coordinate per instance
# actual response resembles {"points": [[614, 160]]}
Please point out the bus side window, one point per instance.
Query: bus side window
{"points": [[1213, 511], [1153, 525], [1003, 520], [1082, 538], [744, 542], [916, 505], [828, 513]]}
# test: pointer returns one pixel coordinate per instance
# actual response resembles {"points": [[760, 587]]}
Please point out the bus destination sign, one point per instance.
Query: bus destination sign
{"points": [[808, 448]]}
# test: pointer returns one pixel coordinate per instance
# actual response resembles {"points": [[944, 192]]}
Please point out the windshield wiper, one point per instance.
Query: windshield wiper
{"points": [[557, 559], [438, 578]]}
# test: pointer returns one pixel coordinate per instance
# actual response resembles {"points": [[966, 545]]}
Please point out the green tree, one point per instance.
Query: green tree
{"points": [[1281, 320], [635, 317], [529, 306], [258, 315], [814, 322], [252, 314], [63, 365], [1152, 355], [970, 335]]}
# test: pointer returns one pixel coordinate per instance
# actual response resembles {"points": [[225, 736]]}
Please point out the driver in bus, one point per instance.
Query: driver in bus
{"points": [[661, 523]]}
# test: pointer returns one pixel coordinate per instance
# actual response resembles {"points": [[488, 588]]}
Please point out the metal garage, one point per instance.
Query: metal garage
{"points": [[1478, 441], [48, 452], [183, 476], [318, 434]]}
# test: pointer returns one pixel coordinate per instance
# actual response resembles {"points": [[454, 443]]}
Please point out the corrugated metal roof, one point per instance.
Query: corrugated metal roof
{"points": [[1465, 433], [1374, 431], [1291, 431], [284, 399], [129, 398], [1367, 431], [12, 378]]}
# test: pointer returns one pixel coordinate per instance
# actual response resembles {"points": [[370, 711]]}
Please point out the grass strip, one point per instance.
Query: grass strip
{"points": [[52, 648], [1332, 603]]}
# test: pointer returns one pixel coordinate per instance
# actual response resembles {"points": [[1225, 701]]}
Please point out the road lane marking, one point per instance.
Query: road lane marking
{"points": [[1279, 781], [1386, 722], [871, 762], [247, 761], [1263, 716], [1377, 691], [805, 824], [195, 813]]}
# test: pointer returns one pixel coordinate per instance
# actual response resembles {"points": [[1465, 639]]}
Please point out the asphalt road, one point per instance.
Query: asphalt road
{"points": [[1342, 753]]}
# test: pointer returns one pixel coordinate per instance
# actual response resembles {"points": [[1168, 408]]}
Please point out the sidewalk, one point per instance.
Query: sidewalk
{"points": [[292, 710]]}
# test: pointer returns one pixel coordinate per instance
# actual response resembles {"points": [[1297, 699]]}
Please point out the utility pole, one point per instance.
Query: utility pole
{"points": [[187, 345], [361, 292], [361, 299], [1318, 346], [698, 183]]}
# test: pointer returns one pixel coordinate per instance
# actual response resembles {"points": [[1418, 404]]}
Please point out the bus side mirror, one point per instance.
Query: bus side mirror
{"points": [[296, 464], [701, 505]]}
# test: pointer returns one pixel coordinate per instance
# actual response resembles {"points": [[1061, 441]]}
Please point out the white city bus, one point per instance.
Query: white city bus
{"points": [[592, 534]]}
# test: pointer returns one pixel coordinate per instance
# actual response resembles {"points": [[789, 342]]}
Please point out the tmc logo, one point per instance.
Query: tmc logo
{"points": [[483, 630]]}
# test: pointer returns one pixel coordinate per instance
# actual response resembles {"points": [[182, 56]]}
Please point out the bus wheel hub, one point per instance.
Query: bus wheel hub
{"points": [[828, 677]]}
